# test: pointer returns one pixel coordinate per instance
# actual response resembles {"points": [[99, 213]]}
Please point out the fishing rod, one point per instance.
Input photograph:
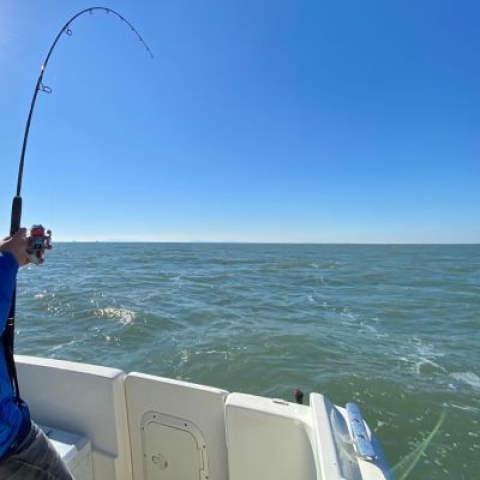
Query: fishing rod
{"points": [[40, 87], [8, 335]]}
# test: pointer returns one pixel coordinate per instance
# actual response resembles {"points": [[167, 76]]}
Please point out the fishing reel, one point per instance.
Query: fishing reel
{"points": [[38, 240]]}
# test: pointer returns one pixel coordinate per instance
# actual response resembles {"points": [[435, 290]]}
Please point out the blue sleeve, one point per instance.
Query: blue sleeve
{"points": [[8, 273]]}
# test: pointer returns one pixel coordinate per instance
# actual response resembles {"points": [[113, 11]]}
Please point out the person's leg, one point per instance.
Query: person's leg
{"points": [[36, 459]]}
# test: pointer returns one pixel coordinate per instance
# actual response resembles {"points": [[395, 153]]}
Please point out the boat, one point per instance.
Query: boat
{"points": [[112, 425]]}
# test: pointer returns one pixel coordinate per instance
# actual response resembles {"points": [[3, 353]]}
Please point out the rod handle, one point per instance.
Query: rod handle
{"points": [[16, 214]]}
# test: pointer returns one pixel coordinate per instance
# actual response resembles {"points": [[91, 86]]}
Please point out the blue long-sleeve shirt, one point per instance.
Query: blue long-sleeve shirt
{"points": [[11, 414]]}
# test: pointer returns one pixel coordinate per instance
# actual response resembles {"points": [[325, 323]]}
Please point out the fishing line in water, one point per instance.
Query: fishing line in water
{"points": [[402, 470], [8, 335]]}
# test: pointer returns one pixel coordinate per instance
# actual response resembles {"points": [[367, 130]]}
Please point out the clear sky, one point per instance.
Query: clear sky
{"points": [[257, 120]]}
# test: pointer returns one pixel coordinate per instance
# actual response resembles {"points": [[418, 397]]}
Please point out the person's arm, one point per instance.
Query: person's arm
{"points": [[13, 254], [8, 272]]}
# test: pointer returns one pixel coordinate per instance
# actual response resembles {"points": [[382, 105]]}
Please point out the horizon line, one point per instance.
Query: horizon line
{"points": [[256, 242]]}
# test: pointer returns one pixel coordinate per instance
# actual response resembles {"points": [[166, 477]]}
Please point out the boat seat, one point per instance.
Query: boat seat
{"points": [[75, 451]]}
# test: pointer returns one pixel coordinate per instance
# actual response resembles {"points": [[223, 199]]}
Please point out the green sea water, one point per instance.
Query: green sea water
{"points": [[393, 328]]}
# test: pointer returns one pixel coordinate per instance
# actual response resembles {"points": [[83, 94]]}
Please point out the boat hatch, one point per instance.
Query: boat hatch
{"points": [[173, 448]]}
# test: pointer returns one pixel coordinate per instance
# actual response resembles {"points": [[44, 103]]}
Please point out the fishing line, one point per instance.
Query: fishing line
{"points": [[402, 470], [8, 335]]}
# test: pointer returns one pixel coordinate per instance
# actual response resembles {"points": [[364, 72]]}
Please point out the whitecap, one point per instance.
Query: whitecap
{"points": [[124, 315], [467, 408], [469, 378]]}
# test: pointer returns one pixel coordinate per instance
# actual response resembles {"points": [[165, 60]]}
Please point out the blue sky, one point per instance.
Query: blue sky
{"points": [[266, 120]]}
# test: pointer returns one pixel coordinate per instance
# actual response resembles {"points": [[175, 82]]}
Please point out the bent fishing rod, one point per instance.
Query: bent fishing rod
{"points": [[8, 335], [41, 87]]}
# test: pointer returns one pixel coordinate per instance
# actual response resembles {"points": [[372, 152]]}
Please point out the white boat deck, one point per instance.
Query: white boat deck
{"points": [[142, 427]]}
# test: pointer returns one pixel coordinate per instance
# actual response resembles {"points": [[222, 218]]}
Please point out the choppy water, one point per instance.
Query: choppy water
{"points": [[394, 328]]}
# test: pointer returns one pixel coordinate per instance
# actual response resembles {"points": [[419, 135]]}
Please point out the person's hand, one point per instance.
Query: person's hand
{"points": [[17, 246]]}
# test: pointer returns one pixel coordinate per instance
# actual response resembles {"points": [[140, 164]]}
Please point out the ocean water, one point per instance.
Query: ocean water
{"points": [[393, 328]]}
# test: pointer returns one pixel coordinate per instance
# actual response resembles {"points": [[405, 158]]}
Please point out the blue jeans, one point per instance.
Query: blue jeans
{"points": [[34, 459]]}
